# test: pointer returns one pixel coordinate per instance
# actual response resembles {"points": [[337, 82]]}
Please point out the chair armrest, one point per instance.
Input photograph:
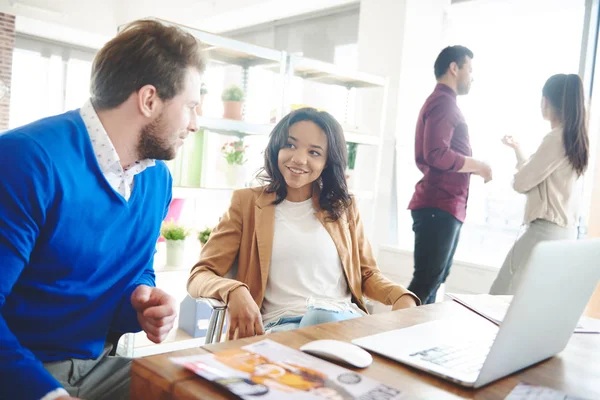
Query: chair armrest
{"points": [[214, 303]]}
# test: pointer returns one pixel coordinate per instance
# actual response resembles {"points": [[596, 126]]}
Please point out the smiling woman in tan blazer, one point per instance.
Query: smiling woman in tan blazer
{"points": [[263, 233]]}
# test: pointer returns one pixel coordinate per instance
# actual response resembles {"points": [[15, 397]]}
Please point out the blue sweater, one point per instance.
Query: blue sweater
{"points": [[72, 250]]}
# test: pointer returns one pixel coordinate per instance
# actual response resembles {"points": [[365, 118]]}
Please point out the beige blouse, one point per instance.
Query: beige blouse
{"points": [[551, 184]]}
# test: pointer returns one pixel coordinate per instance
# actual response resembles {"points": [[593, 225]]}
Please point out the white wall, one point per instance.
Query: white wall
{"points": [[399, 39]]}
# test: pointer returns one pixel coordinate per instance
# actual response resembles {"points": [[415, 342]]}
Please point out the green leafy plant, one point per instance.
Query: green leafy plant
{"points": [[203, 89], [352, 147], [234, 152], [173, 231], [233, 93], [204, 235]]}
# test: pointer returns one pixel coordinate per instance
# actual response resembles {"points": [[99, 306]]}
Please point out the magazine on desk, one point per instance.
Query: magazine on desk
{"points": [[271, 371], [494, 308]]}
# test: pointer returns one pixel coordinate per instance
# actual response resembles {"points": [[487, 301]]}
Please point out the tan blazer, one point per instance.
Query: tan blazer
{"points": [[245, 235]]}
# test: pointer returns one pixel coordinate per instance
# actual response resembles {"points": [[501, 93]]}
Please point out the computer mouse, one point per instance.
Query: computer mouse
{"points": [[336, 350]]}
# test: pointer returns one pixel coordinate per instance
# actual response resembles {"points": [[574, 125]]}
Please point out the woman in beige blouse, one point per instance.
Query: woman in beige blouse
{"points": [[550, 177]]}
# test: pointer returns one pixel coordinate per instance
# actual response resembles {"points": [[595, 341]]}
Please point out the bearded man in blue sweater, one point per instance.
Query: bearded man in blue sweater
{"points": [[82, 198]]}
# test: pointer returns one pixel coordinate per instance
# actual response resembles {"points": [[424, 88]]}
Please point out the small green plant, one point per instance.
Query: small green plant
{"points": [[352, 147], [172, 231], [203, 89], [204, 235], [233, 93], [234, 152]]}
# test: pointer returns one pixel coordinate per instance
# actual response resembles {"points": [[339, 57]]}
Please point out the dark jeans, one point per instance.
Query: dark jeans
{"points": [[436, 237]]}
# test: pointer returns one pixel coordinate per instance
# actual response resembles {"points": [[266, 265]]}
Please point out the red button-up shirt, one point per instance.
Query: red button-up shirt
{"points": [[441, 144]]}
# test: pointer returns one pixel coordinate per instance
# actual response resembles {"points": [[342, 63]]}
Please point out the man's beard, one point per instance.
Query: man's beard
{"points": [[152, 145], [462, 89]]}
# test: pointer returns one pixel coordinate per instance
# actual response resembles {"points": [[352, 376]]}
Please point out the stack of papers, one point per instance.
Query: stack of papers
{"points": [[494, 309], [271, 371]]}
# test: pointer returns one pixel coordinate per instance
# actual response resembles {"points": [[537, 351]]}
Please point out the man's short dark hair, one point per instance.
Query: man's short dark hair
{"points": [[449, 55], [145, 52]]}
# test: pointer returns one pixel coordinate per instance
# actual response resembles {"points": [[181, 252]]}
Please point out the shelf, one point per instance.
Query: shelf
{"points": [[230, 51], [233, 127], [242, 128], [323, 72]]}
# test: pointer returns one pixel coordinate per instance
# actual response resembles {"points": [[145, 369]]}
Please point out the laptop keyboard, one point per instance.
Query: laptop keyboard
{"points": [[466, 357]]}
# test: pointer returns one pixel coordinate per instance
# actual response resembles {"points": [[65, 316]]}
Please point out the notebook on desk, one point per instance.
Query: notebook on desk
{"points": [[537, 324], [494, 309]]}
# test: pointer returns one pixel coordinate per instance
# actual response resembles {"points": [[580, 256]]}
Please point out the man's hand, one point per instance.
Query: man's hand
{"points": [[156, 311], [405, 301], [67, 398], [244, 315], [485, 171]]}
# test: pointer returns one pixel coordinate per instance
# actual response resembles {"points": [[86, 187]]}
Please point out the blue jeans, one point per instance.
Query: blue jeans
{"points": [[313, 316], [436, 237]]}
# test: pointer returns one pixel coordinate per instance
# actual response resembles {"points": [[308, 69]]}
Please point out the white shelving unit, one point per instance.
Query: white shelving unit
{"points": [[225, 51], [242, 128], [319, 71], [233, 127]]}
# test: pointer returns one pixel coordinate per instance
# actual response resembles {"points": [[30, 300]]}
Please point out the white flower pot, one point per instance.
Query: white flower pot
{"points": [[235, 176], [175, 253]]}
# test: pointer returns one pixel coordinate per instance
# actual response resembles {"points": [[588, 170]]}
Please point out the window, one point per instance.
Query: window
{"points": [[517, 46], [47, 79]]}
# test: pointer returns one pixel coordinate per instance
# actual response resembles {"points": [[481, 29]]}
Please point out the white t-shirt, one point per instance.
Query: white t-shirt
{"points": [[304, 263]]}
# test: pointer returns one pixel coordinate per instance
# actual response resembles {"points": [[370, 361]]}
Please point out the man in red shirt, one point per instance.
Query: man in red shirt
{"points": [[443, 154]]}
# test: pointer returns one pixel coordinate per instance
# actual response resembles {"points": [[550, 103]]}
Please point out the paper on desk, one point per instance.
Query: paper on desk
{"points": [[524, 391], [271, 371], [494, 309]]}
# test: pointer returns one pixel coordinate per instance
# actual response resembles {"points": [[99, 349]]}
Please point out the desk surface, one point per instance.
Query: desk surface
{"points": [[575, 371]]}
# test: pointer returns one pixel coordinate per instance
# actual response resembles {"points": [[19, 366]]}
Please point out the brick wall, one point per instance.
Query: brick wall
{"points": [[7, 43]]}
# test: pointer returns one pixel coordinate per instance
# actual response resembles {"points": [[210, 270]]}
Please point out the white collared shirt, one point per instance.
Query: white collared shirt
{"points": [[121, 180]]}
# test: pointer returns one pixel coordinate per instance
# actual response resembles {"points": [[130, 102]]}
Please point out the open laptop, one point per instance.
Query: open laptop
{"points": [[558, 281]]}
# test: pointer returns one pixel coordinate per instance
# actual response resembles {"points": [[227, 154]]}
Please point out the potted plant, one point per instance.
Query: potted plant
{"points": [[203, 92], [350, 175], [234, 153], [232, 98], [203, 236], [174, 236]]}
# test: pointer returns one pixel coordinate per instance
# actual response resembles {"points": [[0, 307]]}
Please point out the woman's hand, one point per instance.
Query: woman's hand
{"points": [[510, 142], [405, 301], [244, 315]]}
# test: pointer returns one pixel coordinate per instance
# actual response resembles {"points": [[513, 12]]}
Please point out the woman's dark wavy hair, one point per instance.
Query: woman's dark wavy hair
{"points": [[565, 95], [334, 196]]}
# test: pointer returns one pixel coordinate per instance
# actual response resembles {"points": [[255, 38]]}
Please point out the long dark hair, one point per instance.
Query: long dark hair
{"points": [[565, 95], [334, 196]]}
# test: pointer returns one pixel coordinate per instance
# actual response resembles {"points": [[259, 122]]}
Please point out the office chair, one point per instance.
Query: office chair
{"points": [[194, 312]]}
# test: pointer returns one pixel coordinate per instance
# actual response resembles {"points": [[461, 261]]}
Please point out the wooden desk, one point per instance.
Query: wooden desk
{"points": [[575, 371]]}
